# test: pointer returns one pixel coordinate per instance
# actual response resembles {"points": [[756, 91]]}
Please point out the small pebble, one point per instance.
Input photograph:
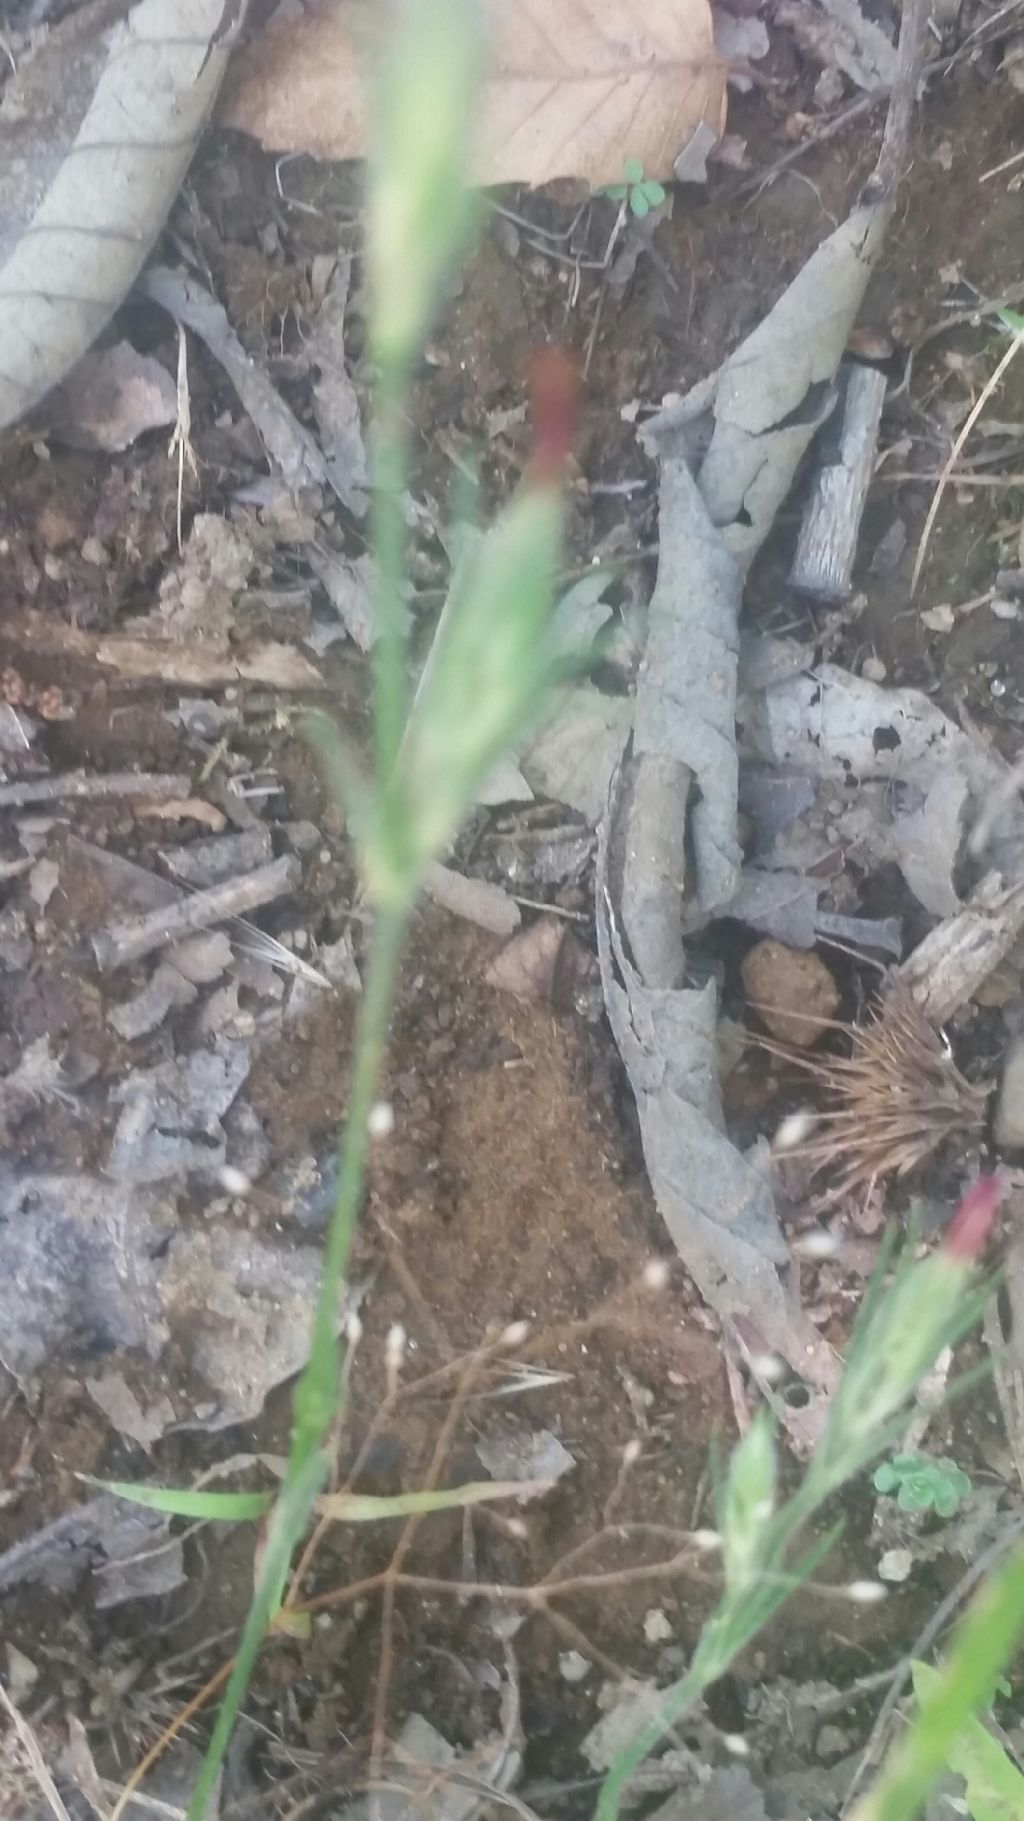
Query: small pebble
{"points": [[572, 1666], [874, 670], [791, 991], [22, 1673], [895, 1565], [657, 1629], [831, 1742], [939, 619]]}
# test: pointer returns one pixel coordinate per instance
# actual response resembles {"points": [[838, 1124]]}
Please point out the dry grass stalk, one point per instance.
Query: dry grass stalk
{"points": [[894, 1098]]}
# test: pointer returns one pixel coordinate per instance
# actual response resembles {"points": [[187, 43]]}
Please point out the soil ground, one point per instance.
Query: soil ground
{"points": [[513, 1187]]}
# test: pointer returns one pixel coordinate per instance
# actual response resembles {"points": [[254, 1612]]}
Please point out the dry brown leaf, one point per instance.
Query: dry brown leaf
{"points": [[574, 88]]}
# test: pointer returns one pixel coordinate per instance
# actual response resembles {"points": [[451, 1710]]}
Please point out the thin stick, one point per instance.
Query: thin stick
{"points": [[181, 441], [393, 1572], [132, 937], [82, 786], [962, 477], [954, 453]]}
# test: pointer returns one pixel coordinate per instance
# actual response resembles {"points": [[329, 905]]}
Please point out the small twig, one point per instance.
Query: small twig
{"points": [[291, 445], [997, 169], [33, 1752], [964, 432], [133, 937], [393, 1576], [80, 786], [148, 1804], [181, 440], [961, 477]]}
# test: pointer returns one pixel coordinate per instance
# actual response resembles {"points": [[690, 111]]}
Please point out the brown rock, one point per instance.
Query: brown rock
{"points": [[791, 990]]}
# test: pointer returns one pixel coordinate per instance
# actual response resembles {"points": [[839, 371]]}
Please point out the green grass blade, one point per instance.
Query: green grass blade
{"points": [[964, 1688], [288, 1520], [181, 1501]]}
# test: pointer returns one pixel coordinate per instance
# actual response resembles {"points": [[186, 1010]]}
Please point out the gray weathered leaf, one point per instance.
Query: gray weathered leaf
{"points": [[86, 237]]}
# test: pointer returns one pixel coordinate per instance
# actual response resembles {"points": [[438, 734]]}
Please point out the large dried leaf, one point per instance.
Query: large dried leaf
{"points": [[573, 89]]}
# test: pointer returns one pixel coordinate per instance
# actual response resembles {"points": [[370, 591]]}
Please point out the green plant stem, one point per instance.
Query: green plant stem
{"points": [[316, 1395], [287, 1522], [390, 470], [318, 1391], [730, 1627]]}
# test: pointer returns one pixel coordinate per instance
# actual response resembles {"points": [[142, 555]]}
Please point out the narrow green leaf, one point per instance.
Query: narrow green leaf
{"points": [[633, 170], [617, 191], [181, 1501]]}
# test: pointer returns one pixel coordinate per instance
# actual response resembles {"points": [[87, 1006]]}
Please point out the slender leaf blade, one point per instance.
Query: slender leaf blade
{"points": [[182, 1501]]}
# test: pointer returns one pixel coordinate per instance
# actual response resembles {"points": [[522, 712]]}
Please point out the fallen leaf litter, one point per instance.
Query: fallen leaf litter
{"points": [[135, 1266]]}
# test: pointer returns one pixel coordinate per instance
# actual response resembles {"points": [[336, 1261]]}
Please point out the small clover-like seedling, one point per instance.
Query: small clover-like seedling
{"points": [[923, 1482], [643, 193]]}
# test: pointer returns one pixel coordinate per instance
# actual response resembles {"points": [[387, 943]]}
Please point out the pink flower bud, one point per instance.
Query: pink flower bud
{"points": [[973, 1220]]}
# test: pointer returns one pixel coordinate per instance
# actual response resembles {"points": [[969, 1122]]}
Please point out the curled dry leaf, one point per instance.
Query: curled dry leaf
{"points": [[572, 94], [87, 223]]}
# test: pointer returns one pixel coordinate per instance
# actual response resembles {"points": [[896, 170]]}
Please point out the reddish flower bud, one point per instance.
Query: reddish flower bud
{"points": [[554, 397], [973, 1220]]}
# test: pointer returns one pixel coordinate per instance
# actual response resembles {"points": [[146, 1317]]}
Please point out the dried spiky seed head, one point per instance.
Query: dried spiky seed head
{"points": [[894, 1098]]}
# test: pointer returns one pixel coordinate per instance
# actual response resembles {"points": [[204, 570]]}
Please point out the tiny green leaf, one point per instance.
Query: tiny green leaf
{"points": [[654, 192], [617, 191], [639, 204], [886, 1478], [633, 170]]}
